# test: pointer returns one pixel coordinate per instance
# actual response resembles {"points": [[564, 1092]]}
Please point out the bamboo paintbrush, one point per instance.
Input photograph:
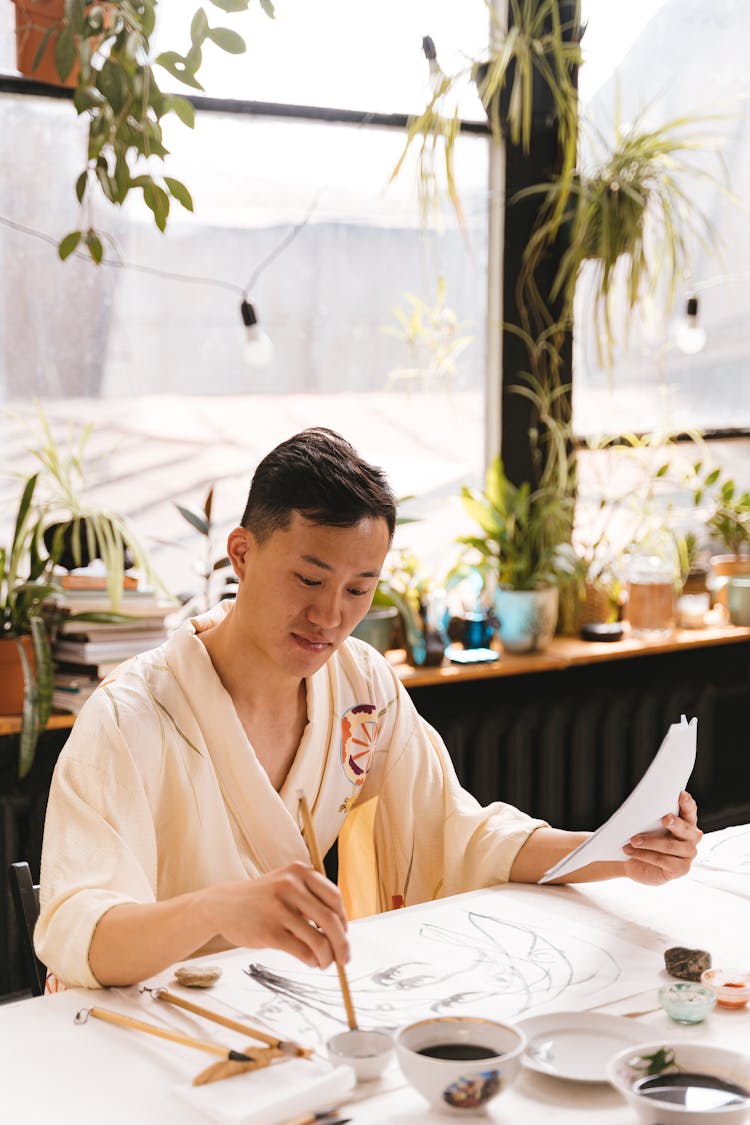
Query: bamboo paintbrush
{"points": [[317, 862], [231, 1062], [286, 1048], [163, 1033]]}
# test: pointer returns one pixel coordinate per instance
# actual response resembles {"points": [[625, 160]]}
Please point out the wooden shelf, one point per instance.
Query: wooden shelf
{"points": [[563, 652], [567, 652], [58, 720]]}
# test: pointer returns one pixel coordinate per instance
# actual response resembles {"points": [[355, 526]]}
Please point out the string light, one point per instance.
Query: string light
{"points": [[689, 333]]}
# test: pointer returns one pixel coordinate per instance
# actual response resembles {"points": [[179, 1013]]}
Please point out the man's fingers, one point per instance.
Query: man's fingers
{"points": [[327, 892], [688, 809]]}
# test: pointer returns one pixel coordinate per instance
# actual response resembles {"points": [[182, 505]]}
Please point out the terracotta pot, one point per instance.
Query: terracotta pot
{"points": [[724, 567], [34, 18], [11, 674]]}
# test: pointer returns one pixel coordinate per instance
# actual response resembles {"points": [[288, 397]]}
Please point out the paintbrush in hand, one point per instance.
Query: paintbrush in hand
{"points": [[317, 862]]}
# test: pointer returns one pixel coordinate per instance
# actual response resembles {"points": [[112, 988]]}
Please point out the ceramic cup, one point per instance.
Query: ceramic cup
{"points": [[456, 1085], [738, 599], [366, 1052]]}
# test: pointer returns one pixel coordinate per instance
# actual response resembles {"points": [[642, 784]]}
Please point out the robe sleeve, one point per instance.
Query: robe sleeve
{"points": [[99, 843], [415, 834]]}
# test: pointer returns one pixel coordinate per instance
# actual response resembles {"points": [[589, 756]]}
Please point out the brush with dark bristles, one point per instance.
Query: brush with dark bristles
{"points": [[287, 1048]]}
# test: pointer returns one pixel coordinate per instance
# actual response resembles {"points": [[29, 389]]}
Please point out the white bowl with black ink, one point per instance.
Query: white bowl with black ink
{"points": [[460, 1063], [683, 1083]]}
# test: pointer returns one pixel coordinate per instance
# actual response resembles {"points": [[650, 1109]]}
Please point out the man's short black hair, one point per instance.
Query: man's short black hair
{"points": [[320, 475]]}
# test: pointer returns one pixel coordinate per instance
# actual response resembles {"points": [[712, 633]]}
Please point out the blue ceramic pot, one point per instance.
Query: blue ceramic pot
{"points": [[527, 618]]}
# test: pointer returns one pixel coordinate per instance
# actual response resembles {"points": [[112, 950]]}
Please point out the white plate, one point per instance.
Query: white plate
{"points": [[577, 1045]]}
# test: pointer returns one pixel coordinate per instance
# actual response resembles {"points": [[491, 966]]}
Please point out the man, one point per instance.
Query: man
{"points": [[172, 820]]}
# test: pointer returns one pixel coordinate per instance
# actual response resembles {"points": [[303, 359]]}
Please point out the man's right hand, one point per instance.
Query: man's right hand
{"points": [[293, 908]]}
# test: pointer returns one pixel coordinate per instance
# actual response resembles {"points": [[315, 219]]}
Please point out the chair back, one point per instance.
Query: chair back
{"points": [[25, 895]]}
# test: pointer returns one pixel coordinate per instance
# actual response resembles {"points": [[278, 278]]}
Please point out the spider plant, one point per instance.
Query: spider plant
{"points": [[531, 61], [631, 215], [76, 527]]}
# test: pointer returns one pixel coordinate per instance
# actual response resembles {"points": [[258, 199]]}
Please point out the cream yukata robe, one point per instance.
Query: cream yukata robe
{"points": [[158, 792]]}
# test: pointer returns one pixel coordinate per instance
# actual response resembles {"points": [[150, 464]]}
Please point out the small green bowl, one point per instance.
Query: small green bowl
{"points": [[686, 1002]]}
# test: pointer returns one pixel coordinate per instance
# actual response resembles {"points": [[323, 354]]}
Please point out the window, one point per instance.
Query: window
{"points": [[152, 343], [668, 60]]}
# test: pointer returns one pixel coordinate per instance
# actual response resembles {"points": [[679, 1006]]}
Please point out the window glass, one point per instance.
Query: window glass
{"points": [[377, 323], [666, 60]]}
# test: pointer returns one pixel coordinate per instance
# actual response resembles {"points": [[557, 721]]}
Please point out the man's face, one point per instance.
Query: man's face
{"points": [[304, 589]]}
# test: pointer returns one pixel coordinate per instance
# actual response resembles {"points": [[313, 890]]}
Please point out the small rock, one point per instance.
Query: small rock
{"points": [[686, 964], [197, 977]]}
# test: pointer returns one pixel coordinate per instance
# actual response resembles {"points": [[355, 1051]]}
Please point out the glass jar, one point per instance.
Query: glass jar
{"points": [[652, 573]]}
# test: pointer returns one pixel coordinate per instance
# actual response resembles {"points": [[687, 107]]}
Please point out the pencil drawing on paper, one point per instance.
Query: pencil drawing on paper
{"points": [[730, 854], [479, 963]]}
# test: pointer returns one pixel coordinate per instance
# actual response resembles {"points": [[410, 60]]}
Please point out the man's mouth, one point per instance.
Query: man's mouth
{"points": [[312, 644]]}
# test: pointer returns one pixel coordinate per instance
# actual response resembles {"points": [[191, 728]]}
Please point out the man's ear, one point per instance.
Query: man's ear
{"points": [[240, 546]]}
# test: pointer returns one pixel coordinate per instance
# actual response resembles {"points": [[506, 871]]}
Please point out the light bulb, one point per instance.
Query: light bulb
{"points": [[689, 334], [258, 348]]}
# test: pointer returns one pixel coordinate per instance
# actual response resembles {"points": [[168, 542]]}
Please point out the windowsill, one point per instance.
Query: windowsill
{"points": [[567, 652]]}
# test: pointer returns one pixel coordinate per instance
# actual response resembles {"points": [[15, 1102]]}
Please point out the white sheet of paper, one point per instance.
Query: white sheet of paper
{"points": [[655, 795]]}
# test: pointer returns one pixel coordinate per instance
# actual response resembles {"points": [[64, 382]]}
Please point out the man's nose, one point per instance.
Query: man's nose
{"points": [[325, 609]]}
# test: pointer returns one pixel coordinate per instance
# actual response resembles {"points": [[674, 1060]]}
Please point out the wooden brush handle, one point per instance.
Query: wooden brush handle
{"points": [[317, 862], [225, 1021], [161, 1032]]}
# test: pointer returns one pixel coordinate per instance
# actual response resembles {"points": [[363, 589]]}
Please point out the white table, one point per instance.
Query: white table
{"points": [[55, 1072]]}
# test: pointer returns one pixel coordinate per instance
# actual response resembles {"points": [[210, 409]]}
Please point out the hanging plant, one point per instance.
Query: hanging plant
{"points": [[104, 49]]}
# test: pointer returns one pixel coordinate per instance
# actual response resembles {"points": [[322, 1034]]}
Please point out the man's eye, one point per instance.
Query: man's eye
{"points": [[307, 581], [357, 593]]}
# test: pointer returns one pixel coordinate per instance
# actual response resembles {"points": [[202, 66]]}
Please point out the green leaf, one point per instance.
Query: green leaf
{"points": [[105, 181], [75, 14], [183, 108], [30, 716], [69, 244], [194, 518], [94, 243], [157, 200], [113, 83], [199, 26], [65, 52], [176, 65], [179, 192], [268, 8], [228, 40], [43, 46], [231, 5], [86, 97], [122, 178]]}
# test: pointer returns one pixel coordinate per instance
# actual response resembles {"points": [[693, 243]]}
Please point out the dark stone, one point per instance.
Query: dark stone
{"points": [[686, 964]]}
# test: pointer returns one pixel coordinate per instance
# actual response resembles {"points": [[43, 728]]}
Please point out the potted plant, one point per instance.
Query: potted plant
{"points": [[525, 546], [25, 656], [105, 51], [52, 498], [211, 568], [728, 523]]}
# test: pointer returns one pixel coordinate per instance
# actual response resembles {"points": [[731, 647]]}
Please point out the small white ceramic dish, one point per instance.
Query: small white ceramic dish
{"points": [[629, 1067], [460, 1085], [576, 1046], [366, 1052]]}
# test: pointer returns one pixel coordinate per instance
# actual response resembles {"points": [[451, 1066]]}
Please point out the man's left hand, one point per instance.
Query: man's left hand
{"points": [[655, 859]]}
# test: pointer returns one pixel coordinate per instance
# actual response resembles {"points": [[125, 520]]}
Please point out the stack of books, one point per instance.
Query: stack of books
{"points": [[87, 651]]}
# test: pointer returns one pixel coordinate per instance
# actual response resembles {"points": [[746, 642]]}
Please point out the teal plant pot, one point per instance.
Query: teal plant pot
{"points": [[527, 618], [377, 627]]}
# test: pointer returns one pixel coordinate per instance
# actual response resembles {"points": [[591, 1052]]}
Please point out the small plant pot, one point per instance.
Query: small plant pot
{"points": [[377, 627], [527, 618], [724, 567], [34, 19], [11, 674]]}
